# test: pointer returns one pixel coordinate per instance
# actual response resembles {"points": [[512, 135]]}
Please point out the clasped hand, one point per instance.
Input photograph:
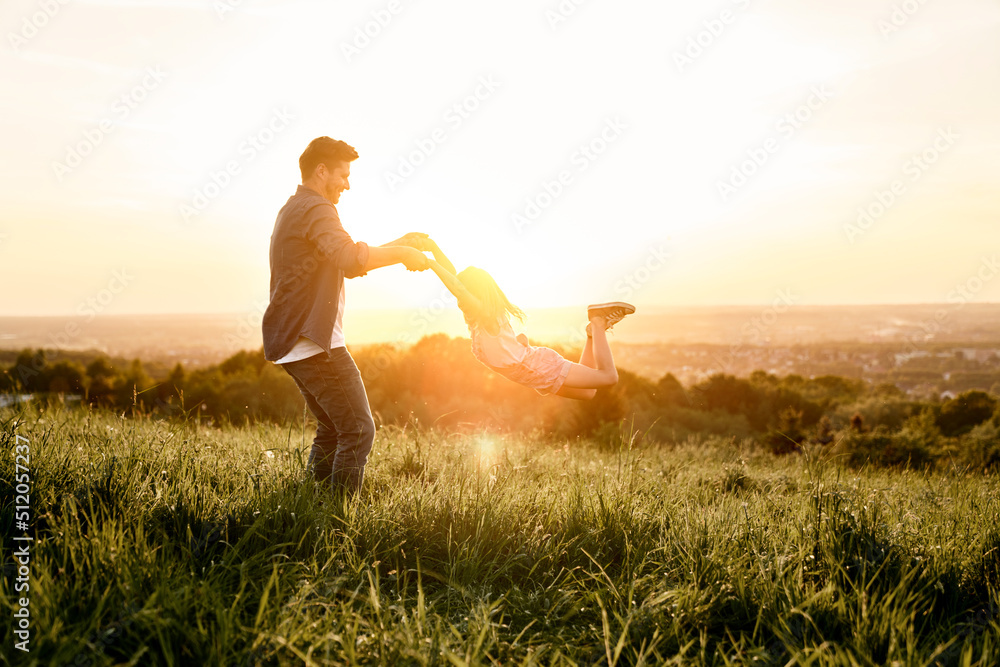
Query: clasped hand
{"points": [[420, 242]]}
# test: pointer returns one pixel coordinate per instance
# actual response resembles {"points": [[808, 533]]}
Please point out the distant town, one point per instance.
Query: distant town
{"points": [[926, 350]]}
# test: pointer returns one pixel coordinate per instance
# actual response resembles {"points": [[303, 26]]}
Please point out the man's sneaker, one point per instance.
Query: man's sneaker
{"points": [[613, 312]]}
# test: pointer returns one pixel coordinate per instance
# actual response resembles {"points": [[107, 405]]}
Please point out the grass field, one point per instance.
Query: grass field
{"points": [[162, 543]]}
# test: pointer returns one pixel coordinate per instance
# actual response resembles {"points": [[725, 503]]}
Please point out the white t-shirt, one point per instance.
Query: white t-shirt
{"points": [[305, 348], [503, 350]]}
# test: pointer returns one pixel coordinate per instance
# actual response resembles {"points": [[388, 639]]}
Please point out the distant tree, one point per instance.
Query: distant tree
{"points": [[824, 431], [167, 396], [279, 398], [65, 377], [244, 360], [788, 436], [8, 383], [669, 391], [967, 410], [858, 423], [836, 389], [128, 388], [609, 406], [762, 399], [640, 392], [100, 381], [727, 392], [780, 399], [889, 390], [794, 381], [765, 379], [170, 390], [28, 372]]}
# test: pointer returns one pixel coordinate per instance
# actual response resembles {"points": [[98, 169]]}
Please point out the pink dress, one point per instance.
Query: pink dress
{"points": [[540, 368]]}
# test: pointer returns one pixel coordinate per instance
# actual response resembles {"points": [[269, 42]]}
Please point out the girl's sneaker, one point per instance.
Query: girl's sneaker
{"points": [[613, 312]]}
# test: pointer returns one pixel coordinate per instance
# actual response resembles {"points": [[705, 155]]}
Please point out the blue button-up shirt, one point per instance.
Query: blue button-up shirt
{"points": [[310, 256]]}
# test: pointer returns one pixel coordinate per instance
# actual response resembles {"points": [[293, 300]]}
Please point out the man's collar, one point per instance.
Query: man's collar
{"points": [[305, 189]]}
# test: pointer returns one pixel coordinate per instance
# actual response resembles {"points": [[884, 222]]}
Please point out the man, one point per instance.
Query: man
{"points": [[310, 256]]}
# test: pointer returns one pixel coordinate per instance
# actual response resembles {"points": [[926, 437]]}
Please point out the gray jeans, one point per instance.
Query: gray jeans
{"points": [[335, 394]]}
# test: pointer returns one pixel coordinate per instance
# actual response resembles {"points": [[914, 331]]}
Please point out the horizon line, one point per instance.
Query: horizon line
{"points": [[529, 309]]}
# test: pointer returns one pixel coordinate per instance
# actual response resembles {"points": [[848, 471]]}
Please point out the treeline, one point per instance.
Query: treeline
{"points": [[438, 382]]}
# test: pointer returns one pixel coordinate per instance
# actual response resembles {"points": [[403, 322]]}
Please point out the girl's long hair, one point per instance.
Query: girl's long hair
{"points": [[496, 305]]}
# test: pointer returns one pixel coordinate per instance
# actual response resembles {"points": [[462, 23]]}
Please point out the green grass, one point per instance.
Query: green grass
{"points": [[165, 543]]}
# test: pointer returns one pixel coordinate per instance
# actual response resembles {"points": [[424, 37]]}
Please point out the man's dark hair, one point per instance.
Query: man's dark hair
{"points": [[324, 150]]}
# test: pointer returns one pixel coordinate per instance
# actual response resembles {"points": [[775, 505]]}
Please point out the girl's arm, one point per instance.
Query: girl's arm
{"points": [[441, 258], [469, 304]]}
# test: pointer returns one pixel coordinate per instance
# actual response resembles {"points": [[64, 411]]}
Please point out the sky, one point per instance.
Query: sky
{"points": [[668, 154]]}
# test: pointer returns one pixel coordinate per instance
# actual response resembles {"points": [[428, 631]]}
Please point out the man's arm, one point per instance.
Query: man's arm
{"points": [[417, 240], [331, 243], [379, 256], [423, 242]]}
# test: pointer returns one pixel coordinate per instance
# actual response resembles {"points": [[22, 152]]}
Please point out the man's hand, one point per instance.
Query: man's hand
{"points": [[416, 240], [414, 260]]}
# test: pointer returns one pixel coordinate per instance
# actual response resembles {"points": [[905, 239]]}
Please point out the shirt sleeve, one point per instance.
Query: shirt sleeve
{"points": [[332, 242]]}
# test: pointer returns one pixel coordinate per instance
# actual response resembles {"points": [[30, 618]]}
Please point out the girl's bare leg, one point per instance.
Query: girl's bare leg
{"points": [[587, 377], [586, 359], [602, 351], [587, 356]]}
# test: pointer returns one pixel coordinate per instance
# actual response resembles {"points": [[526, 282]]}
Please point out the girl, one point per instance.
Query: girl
{"points": [[487, 311]]}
